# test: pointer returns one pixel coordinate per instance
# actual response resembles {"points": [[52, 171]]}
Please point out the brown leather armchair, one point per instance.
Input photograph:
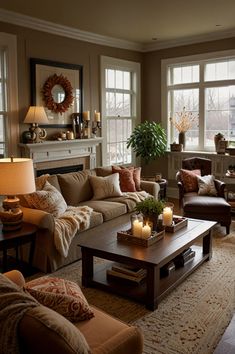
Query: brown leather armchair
{"points": [[203, 206]]}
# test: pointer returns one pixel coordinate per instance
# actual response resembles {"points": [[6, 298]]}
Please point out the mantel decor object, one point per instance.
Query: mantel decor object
{"points": [[16, 177], [96, 124], [36, 115]]}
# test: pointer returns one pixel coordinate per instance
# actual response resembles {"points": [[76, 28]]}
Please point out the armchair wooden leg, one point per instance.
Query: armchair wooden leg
{"points": [[227, 229]]}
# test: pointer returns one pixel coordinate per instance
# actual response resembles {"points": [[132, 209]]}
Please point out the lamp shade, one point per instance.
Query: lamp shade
{"points": [[36, 114], [16, 176]]}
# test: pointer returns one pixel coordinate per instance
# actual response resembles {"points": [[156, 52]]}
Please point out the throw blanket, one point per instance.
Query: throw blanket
{"points": [[67, 225], [13, 305], [137, 196]]}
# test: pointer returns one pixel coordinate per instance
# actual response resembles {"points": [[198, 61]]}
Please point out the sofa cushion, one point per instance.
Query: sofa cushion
{"points": [[104, 187], [96, 219], [75, 186], [205, 205], [127, 183], [48, 199], [113, 336], [53, 180], [109, 210], [130, 203], [43, 330], [63, 296]]}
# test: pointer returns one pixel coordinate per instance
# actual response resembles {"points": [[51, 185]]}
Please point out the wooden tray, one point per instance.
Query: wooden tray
{"points": [[126, 236], [179, 222]]}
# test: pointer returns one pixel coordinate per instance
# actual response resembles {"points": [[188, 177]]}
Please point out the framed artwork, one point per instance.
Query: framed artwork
{"points": [[58, 87]]}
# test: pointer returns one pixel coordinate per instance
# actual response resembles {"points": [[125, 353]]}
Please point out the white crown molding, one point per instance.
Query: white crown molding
{"points": [[50, 27], [149, 47], [69, 32]]}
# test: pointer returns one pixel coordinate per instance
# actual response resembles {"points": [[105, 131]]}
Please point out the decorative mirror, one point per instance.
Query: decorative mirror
{"points": [[57, 87]]}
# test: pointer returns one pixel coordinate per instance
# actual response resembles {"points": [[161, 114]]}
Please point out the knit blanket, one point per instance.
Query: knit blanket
{"points": [[68, 224], [13, 305]]}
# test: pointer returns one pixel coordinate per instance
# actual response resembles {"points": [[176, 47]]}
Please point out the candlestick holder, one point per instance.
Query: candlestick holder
{"points": [[86, 129], [95, 127]]}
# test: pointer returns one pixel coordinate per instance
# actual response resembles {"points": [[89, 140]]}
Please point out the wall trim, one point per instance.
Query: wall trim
{"points": [[66, 31], [70, 32]]}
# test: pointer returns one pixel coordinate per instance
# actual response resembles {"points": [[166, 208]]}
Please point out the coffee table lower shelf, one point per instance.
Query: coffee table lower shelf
{"points": [[142, 292]]}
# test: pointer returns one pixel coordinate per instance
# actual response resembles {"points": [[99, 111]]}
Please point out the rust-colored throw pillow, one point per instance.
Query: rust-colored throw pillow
{"points": [[190, 180], [136, 177], [63, 296], [127, 183]]}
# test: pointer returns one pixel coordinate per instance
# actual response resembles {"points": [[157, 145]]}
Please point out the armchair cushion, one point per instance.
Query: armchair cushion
{"points": [[206, 185], [63, 296], [190, 180]]}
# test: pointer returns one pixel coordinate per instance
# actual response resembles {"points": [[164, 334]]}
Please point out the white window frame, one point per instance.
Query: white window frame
{"points": [[200, 59], [9, 43], [119, 64]]}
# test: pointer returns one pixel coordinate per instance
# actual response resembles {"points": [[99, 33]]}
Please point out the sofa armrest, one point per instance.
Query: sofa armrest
{"points": [[150, 187], [40, 218], [16, 277]]}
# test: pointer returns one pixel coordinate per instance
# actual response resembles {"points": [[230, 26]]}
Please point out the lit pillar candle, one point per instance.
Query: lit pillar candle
{"points": [[97, 116], [146, 231], [167, 216], [86, 115], [137, 228]]}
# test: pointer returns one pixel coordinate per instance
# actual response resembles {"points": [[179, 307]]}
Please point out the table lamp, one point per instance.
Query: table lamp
{"points": [[16, 177], [36, 115]]}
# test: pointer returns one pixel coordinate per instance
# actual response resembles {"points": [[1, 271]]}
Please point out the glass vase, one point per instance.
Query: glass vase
{"points": [[182, 139]]}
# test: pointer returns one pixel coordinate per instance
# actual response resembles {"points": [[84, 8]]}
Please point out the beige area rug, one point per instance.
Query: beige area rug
{"points": [[193, 317]]}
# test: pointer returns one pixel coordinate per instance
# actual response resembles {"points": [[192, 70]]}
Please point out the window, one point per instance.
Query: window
{"points": [[120, 108], [9, 130], [205, 86]]}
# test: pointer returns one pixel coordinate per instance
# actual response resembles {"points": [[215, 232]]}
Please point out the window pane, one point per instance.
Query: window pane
{"points": [[119, 79], [220, 70], [1, 97], [110, 75], [185, 74], [127, 80], [190, 100], [219, 113], [2, 133]]}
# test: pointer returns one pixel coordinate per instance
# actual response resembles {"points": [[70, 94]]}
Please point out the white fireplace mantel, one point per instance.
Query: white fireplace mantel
{"points": [[62, 150]]}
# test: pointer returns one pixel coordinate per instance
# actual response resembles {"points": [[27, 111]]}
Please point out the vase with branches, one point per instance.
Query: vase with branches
{"points": [[183, 121]]}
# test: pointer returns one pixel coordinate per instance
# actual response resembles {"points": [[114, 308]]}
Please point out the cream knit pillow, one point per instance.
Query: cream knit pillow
{"points": [[105, 187]]}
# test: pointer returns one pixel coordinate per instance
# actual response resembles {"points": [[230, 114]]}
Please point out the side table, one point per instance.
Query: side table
{"points": [[14, 239]]}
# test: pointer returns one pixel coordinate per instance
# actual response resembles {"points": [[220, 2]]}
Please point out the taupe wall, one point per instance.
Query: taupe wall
{"points": [[35, 44], [151, 82], [38, 44]]}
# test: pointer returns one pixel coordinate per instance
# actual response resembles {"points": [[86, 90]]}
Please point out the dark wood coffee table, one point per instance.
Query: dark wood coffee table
{"points": [[152, 258]]}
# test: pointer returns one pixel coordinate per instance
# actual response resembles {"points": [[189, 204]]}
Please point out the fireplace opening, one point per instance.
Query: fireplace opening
{"points": [[62, 169]]}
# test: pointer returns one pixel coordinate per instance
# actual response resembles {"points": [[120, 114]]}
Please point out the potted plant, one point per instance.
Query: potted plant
{"points": [[148, 140], [151, 208]]}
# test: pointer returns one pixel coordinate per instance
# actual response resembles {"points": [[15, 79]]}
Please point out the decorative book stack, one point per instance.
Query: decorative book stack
{"points": [[183, 258], [126, 272]]}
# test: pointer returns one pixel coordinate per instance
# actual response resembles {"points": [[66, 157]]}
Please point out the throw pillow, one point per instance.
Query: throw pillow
{"points": [[137, 177], [127, 183], [189, 179], [63, 296], [105, 187], [48, 199], [206, 185]]}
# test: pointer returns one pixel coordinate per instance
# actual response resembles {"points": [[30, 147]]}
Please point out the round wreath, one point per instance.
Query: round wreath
{"points": [[48, 98]]}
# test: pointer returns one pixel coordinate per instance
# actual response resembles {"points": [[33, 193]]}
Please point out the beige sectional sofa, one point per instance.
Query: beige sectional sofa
{"points": [[77, 191]]}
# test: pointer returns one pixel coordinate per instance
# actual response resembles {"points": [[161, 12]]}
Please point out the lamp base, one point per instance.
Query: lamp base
{"points": [[11, 215]]}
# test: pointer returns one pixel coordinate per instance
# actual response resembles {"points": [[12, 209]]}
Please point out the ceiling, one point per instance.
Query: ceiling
{"points": [[149, 23]]}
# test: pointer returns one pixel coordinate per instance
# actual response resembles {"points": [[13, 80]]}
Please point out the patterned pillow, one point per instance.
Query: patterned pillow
{"points": [[48, 199], [189, 179], [63, 296], [105, 187], [127, 183], [206, 185]]}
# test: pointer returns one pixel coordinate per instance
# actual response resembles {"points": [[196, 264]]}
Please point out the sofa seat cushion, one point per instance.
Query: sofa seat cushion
{"points": [[130, 204], [205, 205], [112, 337], [75, 186], [109, 210]]}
